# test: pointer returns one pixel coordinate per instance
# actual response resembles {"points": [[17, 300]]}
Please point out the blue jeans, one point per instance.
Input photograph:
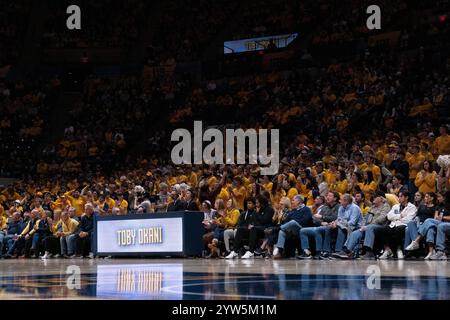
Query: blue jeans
{"points": [[340, 240], [68, 244], [322, 235], [443, 229], [411, 233], [369, 239], [428, 229], [289, 227], [354, 239], [11, 245], [218, 233]]}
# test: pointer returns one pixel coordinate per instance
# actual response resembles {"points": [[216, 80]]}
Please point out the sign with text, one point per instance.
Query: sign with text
{"points": [[163, 235]]}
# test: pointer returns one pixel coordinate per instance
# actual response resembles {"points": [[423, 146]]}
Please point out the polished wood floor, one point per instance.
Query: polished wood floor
{"points": [[177, 279]]}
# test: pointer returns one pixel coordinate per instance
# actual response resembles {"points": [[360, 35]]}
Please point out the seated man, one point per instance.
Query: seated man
{"points": [[84, 237], [67, 235], [349, 219], [399, 216], [52, 242], [12, 231], [244, 219], [375, 219], [322, 221], [23, 243], [42, 230], [255, 230], [299, 217]]}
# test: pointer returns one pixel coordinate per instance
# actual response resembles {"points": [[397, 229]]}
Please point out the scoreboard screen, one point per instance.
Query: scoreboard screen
{"points": [[257, 44]]}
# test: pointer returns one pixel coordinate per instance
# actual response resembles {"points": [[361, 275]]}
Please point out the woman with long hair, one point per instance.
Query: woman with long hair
{"points": [[426, 178], [227, 219], [281, 210], [396, 185], [369, 185], [422, 225]]}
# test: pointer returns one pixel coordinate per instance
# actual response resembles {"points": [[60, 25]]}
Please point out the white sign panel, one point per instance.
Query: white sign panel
{"points": [[140, 235]]}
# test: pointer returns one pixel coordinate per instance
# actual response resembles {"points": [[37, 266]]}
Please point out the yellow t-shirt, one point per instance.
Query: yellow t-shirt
{"points": [[330, 177], [426, 183], [224, 195], [442, 145], [239, 195], [415, 160], [364, 209], [369, 189], [291, 193], [78, 204]]}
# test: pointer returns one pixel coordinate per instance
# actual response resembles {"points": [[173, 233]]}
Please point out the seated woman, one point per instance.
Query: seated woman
{"points": [[210, 218], [425, 211], [281, 209], [226, 219], [427, 229], [369, 185]]}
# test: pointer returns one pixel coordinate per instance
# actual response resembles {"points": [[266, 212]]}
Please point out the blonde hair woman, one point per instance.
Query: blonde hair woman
{"points": [[281, 210]]}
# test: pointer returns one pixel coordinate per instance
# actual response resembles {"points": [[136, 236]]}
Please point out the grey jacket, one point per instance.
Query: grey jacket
{"points": [[378, 215], [329, 214]]}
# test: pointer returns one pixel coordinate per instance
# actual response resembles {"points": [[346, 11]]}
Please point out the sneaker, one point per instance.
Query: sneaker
{"points": [[276, 251], [58, 256], [47, 255], [324, 256], [439, 255], [341, 255], [368, 256], [232, 255], [306, 255], [91, 255], [412, 246], [247, 255], [429, 255], [400, 255], [387, 254], [258, 252]]}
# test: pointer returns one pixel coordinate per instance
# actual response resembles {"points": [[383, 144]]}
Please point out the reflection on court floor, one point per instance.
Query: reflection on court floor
{"points": [[197, 279]]}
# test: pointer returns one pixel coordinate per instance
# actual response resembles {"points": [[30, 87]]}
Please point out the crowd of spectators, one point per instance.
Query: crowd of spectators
{"points": [[24, 108], [353, 132]]}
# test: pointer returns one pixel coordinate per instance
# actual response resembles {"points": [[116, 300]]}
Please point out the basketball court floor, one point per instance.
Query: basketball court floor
{"points": [[200, 279]]}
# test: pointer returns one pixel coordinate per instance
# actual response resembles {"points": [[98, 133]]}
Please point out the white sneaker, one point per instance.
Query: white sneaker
{"points": [[387, 254], [400, 255], [439, 255], [247, 255], [412, 246], [91, 255], [429, 255], [47, 255], [276, 251], [231, 255]]}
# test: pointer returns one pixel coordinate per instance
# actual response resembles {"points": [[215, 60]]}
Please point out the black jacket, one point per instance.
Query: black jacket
{"points": [[177, 205], [190, 206], [87, 224], [245, 218], [264, 218]]}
